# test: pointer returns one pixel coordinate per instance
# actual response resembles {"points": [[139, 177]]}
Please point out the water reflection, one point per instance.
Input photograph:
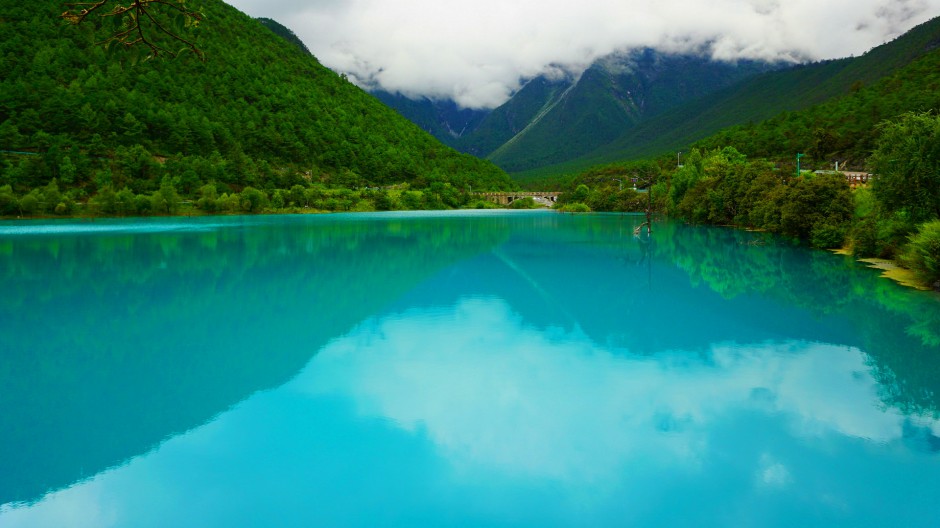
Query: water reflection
{"points": [[422, 414], [490, 392], [123, 333], [495, 369]]}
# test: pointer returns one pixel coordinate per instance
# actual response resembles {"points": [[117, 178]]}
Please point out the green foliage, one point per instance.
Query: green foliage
{"points": [[829, 110], [253, 200], [525, 203], [907, 164], [575, 207], [153, 27], [551, 121], [723, 187], [258, 113], [818, 210], [483, 204], [8, 202], [165, 200], [579, 194], [208, 198], [923, 253], [285, 33]]}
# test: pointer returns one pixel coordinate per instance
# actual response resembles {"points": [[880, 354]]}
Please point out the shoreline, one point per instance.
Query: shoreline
{"points": [[889, 270]]}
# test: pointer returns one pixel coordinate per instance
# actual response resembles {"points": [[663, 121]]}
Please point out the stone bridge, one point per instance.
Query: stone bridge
{"points": [[505, 198]]}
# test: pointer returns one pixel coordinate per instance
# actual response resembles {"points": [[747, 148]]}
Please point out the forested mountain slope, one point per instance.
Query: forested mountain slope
{"points": [[845, 128], [443, 119], [258, 112], [556, 118], [789, 90], [615, 94]]}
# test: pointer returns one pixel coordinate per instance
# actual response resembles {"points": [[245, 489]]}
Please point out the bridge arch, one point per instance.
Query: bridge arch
{"points": [[506, 198]]}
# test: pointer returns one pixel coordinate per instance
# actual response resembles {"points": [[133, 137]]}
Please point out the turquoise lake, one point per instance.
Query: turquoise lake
{"points": [[457, 369]]}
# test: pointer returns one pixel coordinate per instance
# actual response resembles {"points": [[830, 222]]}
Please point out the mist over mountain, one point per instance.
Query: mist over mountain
{"points": [[480, 53], [443, 119], [555, 118]]}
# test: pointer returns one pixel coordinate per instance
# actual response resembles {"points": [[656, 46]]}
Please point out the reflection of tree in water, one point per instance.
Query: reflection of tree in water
{"points": [[920, 437], [147, 335], [897, 327]]}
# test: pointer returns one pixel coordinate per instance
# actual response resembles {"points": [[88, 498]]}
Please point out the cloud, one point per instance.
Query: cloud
{"points": [[490, 392], [478, 53], [502, 401]]}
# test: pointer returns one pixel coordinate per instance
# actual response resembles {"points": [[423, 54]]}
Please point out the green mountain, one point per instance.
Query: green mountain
{"points": [[443, 119], [285, 33], [258, 112], [614, 95], [526, 108], [552, 119], [858, 93]]}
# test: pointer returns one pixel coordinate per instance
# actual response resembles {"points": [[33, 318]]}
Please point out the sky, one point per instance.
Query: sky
{"points": [[478, 53]]}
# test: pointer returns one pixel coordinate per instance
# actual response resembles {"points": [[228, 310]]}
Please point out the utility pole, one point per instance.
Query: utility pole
{"points": [[678, 160], [649, 209], [798, 156]]}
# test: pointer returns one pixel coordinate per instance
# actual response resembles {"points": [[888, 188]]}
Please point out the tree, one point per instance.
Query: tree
{"points": [[208, 198], [8, 202], [923, 253], [818, 209], [165, 200], [906, 163], [253, 200], [155, 25]]}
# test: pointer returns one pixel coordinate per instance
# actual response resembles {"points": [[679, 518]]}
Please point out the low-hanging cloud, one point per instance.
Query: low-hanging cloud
{"points": [[478, 53]]}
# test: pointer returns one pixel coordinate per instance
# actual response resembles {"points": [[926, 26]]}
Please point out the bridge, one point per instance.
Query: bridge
{"points": [[546, 198]]}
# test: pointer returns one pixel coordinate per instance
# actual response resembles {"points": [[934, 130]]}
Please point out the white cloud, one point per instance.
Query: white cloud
{"points": [[82, 506], [773, 473], [478, 52], [499, 398], [492, 393]]}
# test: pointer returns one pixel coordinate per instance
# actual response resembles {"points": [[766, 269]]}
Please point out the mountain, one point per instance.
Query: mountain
{"points": [[443, 119], [613, 95], [524, 110], [285, 33], [259, 111], [858, 92], [554, 119]]}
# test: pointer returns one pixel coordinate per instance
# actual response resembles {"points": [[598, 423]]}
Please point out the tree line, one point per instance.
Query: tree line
{"points": [[896, 217], [257, 113], [218, 198]]}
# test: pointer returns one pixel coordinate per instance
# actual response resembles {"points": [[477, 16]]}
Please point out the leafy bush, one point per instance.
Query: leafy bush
{"points": [[828, 234], [575, 207], [922, 254], [483, 204], [8, 202], [525, 203], [864, 236]]}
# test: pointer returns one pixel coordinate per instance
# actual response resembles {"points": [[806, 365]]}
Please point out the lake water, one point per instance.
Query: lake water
{"points": [[457, 369]]}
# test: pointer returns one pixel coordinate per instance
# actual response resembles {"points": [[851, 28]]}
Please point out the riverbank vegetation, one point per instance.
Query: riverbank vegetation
{"points": [[896, 217], [82, 129], [50, 201]]}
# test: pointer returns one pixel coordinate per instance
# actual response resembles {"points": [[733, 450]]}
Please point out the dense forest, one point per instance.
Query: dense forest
{"points": [[896, 216], [896, 77], [778, 175], [842, 129], [79, 123]]}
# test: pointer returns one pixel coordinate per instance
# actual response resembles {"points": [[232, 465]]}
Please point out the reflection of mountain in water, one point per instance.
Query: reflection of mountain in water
{"points": [[692, 286], [114, 342]]}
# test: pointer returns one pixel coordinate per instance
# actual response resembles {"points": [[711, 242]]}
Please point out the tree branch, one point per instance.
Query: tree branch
{"points": [[138, 19]]}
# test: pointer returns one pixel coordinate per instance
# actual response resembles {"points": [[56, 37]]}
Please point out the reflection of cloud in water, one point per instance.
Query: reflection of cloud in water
{"points": [[78, 507], [494, 393]]}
